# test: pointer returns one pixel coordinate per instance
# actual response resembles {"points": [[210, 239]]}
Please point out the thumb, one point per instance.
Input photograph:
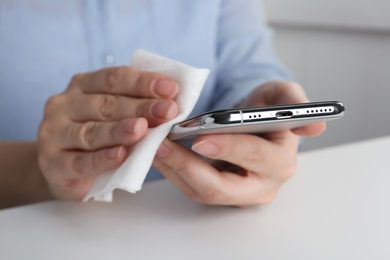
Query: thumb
{"points": [[310, 130]]}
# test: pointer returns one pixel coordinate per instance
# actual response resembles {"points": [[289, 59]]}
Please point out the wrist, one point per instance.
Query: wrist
{"points": [[21, 180]]}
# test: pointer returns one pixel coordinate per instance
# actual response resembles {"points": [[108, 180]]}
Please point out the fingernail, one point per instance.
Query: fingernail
{"points": [[130, 125], [163, 109], [205, 148], [165, 88], [162, 151], [114, 153], [133, 125]]}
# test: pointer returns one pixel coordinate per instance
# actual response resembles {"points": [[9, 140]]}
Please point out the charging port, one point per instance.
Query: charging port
{"points": [[284, 114]]}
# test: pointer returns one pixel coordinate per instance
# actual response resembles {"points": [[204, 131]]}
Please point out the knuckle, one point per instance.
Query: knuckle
{"points": [[183, 167], [43, 131], [107, 106], [76, 165], [144, 108], [114, 76], [143, 82], [76, 79], [254, 157], [97, 161], [85, 165], [115, 135], [48, 130], [139, 79], [85, 135], [53, 103]]}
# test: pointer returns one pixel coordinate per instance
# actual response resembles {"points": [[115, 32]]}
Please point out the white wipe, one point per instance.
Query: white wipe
{"points": [[131, 174]]}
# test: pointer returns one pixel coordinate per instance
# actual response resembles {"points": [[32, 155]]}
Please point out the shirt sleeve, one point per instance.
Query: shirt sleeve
{"points": [[245, 56]]}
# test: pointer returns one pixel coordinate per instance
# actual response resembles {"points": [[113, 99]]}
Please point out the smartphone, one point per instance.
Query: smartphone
{"points": [[257, 120]]}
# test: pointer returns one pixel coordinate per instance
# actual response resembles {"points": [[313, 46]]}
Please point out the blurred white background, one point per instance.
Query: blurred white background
{"points": [[338, 50]]}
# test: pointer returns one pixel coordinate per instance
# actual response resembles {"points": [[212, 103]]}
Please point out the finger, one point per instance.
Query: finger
{"points": [[276, 92], [290, 93], [246, 151], [271, 158], [201, 182], [79, 164], [310, 130], [174, 177], [190, 173], [105, 107], [93, 135], [250, 152], [128, 81]]}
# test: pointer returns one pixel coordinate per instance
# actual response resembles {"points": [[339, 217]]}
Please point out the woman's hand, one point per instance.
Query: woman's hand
{"points": [[89, 128], [241, 169]]}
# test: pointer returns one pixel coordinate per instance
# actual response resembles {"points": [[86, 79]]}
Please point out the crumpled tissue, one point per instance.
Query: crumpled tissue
{"points": [[132, 173]]}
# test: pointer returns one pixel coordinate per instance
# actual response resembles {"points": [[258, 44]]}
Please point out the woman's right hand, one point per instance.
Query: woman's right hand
{"points": [[89, 129]]}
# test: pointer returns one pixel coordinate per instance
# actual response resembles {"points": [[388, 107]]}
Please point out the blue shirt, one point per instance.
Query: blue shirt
{"points": [[45, 42]]}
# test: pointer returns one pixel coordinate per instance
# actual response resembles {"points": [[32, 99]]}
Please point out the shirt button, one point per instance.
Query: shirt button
{"points": [[110, 59]]}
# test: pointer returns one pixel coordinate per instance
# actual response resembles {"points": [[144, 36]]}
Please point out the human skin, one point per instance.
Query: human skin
{"points": [[90, 127], [240, 169], [87, 130]]}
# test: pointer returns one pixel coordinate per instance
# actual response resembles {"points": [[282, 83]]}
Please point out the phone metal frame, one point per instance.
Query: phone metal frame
{"points": [[257, 119]]}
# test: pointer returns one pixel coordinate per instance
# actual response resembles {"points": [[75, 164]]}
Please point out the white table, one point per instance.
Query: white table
{"points": [[337, 207]]}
